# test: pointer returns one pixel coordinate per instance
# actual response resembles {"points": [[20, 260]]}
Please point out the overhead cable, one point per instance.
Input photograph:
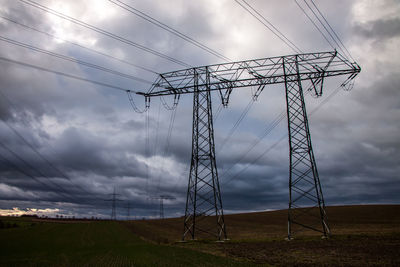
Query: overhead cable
{"points": [[71, 59], [330, 27], [269, 26], [13, 106], [78, 45], [62, 174], [329, 97], [266, 132], [162, 25], [133, 105], [35, 169], [16, 167], [104, 32], [64, 74], [315, 25], [237, 123]]}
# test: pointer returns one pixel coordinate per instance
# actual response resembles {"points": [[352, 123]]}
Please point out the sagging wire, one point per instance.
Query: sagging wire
{"points": [[216, 115], [348, 84], [147, 150], [135, 108], [167, 147], [175, 104]]}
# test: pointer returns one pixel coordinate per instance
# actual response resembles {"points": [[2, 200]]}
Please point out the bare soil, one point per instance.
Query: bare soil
{"points": [[366, 235]]}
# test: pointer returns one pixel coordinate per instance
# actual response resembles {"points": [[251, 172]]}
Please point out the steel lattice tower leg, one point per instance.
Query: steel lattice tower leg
{"points": [[203, 195], [306, 201]]}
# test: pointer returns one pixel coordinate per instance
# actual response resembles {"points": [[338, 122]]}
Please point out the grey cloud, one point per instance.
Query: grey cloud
{"points": [[380, 30], [92, 135]]}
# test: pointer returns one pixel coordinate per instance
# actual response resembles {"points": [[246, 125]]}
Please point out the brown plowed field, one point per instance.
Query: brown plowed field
{"points": [[365, 235]]}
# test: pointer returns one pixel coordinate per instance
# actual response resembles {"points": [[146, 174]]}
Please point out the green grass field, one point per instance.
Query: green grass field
{"points": [[362, 236], [92, 244]]}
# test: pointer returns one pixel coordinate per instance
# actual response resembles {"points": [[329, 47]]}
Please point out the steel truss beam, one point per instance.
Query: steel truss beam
{"points": [[254, 73], [306, 202]]}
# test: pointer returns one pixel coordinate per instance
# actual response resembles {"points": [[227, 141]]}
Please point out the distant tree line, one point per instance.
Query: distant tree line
{"points": [[5, 225]]}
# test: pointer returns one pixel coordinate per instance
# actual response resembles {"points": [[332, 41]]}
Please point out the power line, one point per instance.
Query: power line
{"points": [[270, 27], [237, 123], [323, 25], [315, 25], [203, 194], [71, 59], [128, 207], [104, 32], [297, 49], [78, 45], [329, 97], [10, 163], [16, 167], [64, 74], [219, 109], [158, 23], [157, 128], [147, 144], [42, 157], [114, 200], [266, 132], [35, 169], [167, 145], [162, 198], [330, 27], [13, 106], [256, 159], [133, 105]]}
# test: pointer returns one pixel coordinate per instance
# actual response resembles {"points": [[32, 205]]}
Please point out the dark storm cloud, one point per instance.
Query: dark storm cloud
{"points": [[91, 134], [379, 29]]}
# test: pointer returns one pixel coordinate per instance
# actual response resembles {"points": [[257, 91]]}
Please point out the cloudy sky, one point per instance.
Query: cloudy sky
{"points": [[65, 144]]}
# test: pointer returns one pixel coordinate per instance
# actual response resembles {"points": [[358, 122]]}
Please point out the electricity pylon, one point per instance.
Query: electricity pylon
{"points": [[113, 205], [306, 202], [161, 198], [128, 211]]}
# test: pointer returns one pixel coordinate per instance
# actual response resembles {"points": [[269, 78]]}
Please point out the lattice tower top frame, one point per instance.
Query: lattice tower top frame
{"points": [[257, 72]]}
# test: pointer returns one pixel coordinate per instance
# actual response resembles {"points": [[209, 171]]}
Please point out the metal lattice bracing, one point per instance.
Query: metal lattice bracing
{"points": [[254, 73], [161, 199], [203, 195], [113, 200], [306, 202]]}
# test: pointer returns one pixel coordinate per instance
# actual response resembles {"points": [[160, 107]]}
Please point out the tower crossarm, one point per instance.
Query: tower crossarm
{"points": [[258, 72]]}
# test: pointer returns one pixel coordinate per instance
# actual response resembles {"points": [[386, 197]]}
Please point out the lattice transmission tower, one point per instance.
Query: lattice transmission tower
{"points": [[161, 198], [113, 200], [204, 211]]}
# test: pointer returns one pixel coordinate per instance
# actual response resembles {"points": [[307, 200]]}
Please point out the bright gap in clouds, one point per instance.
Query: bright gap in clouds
{"points": [[29, 211], [91, 12]]}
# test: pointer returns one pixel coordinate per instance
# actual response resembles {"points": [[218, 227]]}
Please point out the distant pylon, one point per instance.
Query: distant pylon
{"points": [[161, 199], [114, 205], [128, 207]]}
